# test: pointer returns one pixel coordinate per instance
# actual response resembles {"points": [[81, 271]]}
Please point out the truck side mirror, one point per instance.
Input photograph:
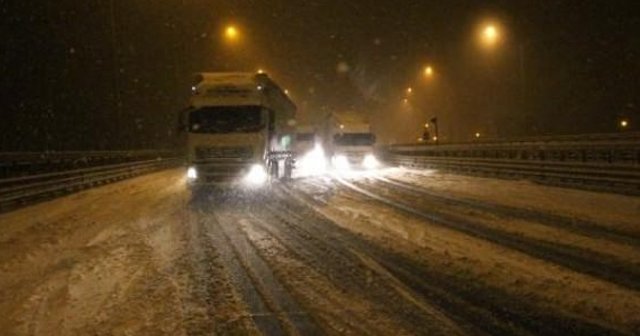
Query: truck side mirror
{"points": [[183, 116]]}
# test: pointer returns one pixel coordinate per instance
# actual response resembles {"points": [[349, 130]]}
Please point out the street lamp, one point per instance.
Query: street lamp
{"points": [[490, 35], [428, 71], [624, 123], [231, 33]]}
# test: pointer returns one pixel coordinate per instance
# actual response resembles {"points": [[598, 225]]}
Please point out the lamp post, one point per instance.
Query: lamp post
{"points": [[490, 36]]}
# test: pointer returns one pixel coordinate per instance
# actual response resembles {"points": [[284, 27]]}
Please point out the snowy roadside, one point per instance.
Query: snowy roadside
{"points": [[118, 259], [546, 285], [618, 211]]}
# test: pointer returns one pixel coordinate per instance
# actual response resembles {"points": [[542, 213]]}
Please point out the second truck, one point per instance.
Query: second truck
{"points": [[349, 141]]}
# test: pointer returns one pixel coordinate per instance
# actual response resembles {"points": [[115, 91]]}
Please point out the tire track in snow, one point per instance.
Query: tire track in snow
{"points": [[576, 259], [489, 309], [576, 225], [272, 309]]}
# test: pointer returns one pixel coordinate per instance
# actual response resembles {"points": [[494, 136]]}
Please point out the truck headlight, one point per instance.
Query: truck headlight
{"points": [[257, 175], [341, 163], [370, 162], [314, 163], [192, 173]]}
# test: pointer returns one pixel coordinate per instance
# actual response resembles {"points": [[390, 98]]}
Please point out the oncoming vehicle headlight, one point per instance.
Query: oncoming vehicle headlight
{"points": [[257, 175], [341, 163], [192, 173], [370, 162], [314, 162]]}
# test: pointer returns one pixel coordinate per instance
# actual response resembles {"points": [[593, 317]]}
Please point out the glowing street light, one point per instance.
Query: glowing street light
{"points": [[428, 71], [260, 71], [231, 33], [490, 35], [477, 135], [409, 90], [624, 123]]}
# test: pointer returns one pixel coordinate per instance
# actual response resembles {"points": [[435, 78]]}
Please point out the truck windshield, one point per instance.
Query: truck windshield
{"points": [[225, 119], [354, 139], [305, 136]]}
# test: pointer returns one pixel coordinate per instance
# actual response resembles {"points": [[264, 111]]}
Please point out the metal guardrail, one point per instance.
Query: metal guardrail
{"points": [[601, 162], [622, 137], [14, 164], [19, 190]]}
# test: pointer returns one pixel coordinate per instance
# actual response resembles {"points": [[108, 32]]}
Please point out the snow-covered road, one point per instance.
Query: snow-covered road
{"points": [[396, 252]]}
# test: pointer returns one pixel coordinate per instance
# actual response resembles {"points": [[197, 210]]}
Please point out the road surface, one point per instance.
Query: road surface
{"points": [[396, 252]]}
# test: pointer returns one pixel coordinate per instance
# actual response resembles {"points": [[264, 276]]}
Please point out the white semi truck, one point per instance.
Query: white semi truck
{"points": [[349, 141], [240, 129]]}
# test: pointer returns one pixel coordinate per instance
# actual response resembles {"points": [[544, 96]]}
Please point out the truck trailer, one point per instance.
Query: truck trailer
{"points": [[240, 130]]}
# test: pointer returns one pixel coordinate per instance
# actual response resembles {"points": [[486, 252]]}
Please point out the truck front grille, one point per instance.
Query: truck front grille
{"points": [[223, 152], [221, 172]]}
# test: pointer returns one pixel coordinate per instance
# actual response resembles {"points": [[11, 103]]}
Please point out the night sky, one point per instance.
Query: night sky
{"points": [[114, 74]]}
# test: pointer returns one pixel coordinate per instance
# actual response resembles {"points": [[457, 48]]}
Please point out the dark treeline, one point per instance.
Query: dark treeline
{"points": [[113, 74], [80, 75]]}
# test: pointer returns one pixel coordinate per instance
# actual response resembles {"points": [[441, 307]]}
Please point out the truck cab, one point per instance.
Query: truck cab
{"points": [[350, 142]]}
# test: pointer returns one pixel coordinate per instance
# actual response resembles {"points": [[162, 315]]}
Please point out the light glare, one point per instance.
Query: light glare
{"points": [[428, 71], [370, 162], [341, 163], [231, 33], [257, 175], [192, 173], [314, 162], [490, 35]]}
